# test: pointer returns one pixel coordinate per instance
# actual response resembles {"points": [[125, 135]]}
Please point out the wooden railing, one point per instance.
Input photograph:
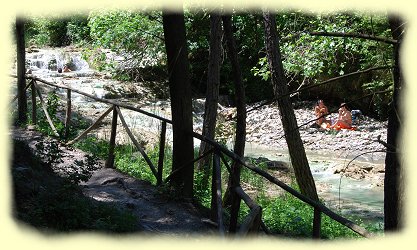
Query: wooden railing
{"points": [[253, 221]]}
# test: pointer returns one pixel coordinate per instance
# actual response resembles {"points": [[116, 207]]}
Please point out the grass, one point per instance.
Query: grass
{"points": [[285, 215]]}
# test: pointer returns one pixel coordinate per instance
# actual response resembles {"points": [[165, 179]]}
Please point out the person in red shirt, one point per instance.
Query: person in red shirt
{"points": [[344, 120]]}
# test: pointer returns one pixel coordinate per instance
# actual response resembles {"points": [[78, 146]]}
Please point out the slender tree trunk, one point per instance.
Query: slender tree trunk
{"points": [[394, 181], [212, 92], [239, 146], [21, 82], [295, 146], [180, 92]]}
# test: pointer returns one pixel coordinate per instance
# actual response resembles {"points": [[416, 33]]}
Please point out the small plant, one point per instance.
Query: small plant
{"points": [[52, 106], [50, 151], [97, 147]]}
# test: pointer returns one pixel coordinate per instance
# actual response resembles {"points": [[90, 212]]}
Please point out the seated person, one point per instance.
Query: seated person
{"points": [[321, 111], [344, 120], [66, 69], [356, 114]]}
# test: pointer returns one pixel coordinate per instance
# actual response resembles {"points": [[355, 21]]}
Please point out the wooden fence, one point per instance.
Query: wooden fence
{"points": [[251, 223]]}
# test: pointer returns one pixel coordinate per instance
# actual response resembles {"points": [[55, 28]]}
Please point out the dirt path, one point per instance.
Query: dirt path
{"points": [[156, 211]]}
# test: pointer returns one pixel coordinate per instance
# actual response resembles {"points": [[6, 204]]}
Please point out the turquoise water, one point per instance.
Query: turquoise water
{"points": [[347, 196]]}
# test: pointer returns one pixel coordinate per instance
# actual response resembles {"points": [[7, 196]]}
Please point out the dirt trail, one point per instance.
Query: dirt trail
{"points": [[156, 211]]}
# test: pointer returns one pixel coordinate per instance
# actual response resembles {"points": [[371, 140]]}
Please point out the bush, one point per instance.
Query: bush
{"points": [[52, 203]]}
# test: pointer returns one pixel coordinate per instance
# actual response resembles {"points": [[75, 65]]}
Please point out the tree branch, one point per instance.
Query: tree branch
{"points": [[354, 35], [388, 146], [316, 85], [341, 34]]}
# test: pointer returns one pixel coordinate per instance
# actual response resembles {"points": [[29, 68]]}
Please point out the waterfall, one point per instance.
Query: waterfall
{"points": [[46, 61]]}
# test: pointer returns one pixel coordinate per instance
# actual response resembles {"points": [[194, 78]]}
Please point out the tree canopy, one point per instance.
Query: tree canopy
{"points": [[308, 58]]}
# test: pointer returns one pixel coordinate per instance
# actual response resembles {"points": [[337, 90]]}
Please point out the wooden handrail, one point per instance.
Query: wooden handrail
{"points": [[138, 146], [161, 152], [33, 97], [122, 105], [318, 207], [176, 171], [45, 110], [93, 126], [216, 194], [251, 223], [315, 204], [245, 197], [68, 114], [112, 144], [24, 89]]}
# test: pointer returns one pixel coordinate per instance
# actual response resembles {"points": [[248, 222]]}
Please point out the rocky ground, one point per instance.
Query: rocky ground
{"points": [[263, 127]]}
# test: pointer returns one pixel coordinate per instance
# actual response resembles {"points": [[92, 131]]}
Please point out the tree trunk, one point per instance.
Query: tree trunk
{"points": [[393, 182], [212, 92], [239, 147], [21, 82], [180, 92], [296, 150]]}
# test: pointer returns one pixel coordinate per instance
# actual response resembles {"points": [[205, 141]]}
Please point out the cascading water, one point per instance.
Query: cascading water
{"points": [[48, 61]]}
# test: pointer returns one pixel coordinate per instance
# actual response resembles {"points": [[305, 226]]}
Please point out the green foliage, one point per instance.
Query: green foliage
{"points": [[130, 161], [97, 59], [55, 203], [57, 31], [52, 106], [289, 216], [97, 147], [47, 31], [314, 56], [202, 194], [77, 29], [136, 36], [311, 59], [255, 181]]}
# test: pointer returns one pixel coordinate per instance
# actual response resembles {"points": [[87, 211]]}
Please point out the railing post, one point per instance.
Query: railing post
{"points": [[20, 70], [34, 114], [235, 199], [68, 114], [316, 223], [161, 152], [110, 157], [45, 110], [216, 193]]}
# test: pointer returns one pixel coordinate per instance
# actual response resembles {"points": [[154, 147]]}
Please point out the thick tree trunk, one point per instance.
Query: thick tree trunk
{"points": [[21, 82], [394, 182], [239, 147], [295, 146], [212, 92], [180, 92]]}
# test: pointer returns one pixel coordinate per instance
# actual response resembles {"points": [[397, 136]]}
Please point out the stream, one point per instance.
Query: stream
{"points": [[346, 195]]}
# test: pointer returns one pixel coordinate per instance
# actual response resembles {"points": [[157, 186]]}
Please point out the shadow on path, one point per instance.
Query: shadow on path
{"points": [[155, 212]]}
